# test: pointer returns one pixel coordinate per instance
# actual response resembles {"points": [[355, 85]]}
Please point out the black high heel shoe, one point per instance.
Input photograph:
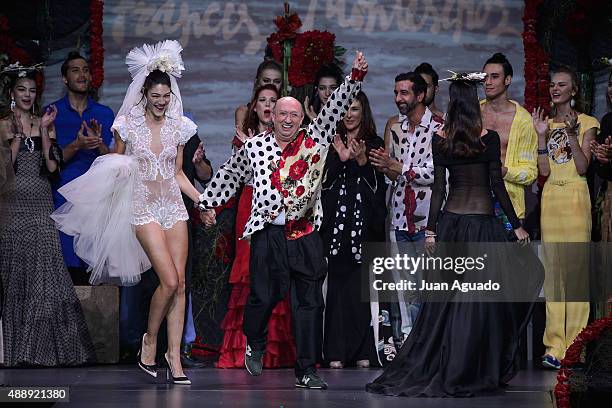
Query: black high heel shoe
{"points": [[149, 369], [170, 375]]}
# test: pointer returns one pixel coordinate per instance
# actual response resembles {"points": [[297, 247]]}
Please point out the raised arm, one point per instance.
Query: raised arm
{"points": [[323, 128]]}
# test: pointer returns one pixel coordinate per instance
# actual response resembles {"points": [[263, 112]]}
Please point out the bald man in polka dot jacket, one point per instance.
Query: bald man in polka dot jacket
{"points": [[286, 250]]}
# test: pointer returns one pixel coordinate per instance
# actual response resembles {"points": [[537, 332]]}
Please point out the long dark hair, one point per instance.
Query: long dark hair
{"points": [[267, 64], [326, 71], [367, 127], [252, 120], [156, 77], [13, 78], [463, 124]]}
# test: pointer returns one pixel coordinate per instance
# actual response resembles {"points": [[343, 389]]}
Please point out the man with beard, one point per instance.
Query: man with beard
{"points": [[408, 162], [83, 129], [519, 143], [431, 77], [286, 249]]}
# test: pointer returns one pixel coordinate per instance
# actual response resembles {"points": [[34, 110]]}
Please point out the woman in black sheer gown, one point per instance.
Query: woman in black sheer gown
{"points": [[461, 349]]}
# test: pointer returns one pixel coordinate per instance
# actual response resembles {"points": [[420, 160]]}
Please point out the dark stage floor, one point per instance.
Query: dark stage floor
{"points": [[126, 386]]}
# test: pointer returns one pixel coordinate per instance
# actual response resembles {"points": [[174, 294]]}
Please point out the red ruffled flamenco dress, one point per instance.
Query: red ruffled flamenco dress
{"points": [[280, 347]]}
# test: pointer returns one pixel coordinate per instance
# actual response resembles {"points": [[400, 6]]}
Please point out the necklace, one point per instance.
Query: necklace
{"points": [[29, 143]]}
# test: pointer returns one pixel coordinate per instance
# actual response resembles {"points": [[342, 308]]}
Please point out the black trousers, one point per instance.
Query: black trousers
{"points": [[276, 266]]}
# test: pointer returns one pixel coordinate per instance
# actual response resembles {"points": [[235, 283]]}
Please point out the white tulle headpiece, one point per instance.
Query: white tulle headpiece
{"points": [[141, 61]]}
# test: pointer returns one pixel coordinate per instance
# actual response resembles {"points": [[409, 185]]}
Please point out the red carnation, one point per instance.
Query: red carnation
{"points": [[298, 169], [315, 158], [275, 46], [311, 50], [309, 143], [287, 27], [299, 191]]}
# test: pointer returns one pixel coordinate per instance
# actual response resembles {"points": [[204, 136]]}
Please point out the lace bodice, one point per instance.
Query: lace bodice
{"points": [[157, 196]]}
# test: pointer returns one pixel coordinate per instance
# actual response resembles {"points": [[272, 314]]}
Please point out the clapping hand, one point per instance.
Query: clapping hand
{"points": [[89, 142], [343, 151], [243, 137], [308, 109], [198, 155], [49, 117], [358, 151], [571, 123], [380, 159], [540, 122], [603, 151]]}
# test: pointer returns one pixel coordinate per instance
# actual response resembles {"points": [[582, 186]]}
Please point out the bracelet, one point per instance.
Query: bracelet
{"points": [[431, 235], [543, 151], [200, 204]]}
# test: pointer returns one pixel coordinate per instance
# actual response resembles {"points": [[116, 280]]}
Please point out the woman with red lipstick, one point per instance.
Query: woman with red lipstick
{"points": [[269, 72], [564, 154], [280, 347], [354, 211], [43, 323]]}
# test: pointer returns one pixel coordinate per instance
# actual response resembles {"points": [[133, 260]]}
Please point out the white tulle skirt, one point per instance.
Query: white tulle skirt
{"points": [[98, 213]]}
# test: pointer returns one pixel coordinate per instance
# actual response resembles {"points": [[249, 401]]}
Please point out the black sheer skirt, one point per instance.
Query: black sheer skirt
{"points": [[461, 349]]}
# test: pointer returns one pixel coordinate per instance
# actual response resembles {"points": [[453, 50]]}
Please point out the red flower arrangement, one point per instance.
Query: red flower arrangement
{"points": [[311, 50], [96, 59], [573, 354], [301, 54], [536, 61]]}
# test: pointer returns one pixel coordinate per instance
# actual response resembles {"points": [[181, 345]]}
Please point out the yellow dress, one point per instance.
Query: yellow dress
{"points": [[566, 220]]}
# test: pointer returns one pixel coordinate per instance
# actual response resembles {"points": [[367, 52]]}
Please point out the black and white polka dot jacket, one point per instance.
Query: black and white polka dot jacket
{"points": [[287, 180], [412, 189]]}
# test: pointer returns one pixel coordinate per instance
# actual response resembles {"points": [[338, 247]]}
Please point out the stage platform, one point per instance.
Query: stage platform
{"points": [[127, 386]]}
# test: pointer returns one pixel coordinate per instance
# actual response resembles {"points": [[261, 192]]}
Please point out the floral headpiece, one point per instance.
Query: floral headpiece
{"points": [[20, 70], [164, 56], [141, 61], [466, 77]]}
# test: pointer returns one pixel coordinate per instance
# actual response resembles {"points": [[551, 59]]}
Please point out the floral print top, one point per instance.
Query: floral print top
{"points": [[287, 180]]}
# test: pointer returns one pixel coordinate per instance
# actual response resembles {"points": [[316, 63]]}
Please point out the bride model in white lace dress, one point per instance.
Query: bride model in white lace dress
{"points": [[146, 180]]}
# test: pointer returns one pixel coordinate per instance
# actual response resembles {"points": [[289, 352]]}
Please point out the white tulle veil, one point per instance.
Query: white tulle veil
{"points": [[141, 61]]}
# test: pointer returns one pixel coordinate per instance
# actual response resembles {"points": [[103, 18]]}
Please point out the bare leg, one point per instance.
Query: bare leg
{"points": [[176, 238], [153, 241]]}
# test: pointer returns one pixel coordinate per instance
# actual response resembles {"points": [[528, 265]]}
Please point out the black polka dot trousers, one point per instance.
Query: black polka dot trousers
{"points": [[278, 265]]}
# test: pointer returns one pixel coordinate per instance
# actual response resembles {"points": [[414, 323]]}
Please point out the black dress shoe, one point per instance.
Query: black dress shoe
{"points": [[190, 362]]}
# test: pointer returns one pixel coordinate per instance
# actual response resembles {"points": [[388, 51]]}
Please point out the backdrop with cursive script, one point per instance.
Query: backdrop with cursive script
{"points": [[224, 42]]}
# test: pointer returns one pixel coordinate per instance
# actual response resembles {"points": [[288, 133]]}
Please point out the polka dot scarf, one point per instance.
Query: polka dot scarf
{"points": [[341, 226]]}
